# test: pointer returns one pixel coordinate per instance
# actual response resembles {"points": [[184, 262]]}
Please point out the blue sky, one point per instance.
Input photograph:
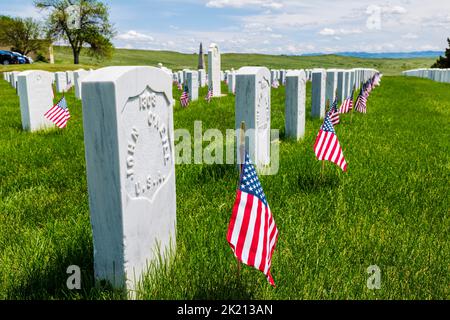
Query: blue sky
{"points": [[271, 26]]}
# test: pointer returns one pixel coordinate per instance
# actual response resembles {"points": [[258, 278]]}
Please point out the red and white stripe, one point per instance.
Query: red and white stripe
{"points": [[346, 106], [327, 147], [58, 116], [334, 117], [252, 233], [361, 104]]}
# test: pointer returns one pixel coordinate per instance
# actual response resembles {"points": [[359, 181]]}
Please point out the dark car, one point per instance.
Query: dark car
{"points": [[7, 57], [21, 59]]}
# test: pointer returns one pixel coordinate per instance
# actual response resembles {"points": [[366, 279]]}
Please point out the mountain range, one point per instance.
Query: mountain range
{"points": [[387, 55]]}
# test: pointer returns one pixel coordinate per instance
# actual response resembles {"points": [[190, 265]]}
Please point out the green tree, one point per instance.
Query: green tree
{"points": [[23, 35], [443, 62], [93, 32]]}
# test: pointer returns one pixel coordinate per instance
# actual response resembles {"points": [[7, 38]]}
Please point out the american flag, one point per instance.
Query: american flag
{"points": [[377, 79], [334, 113], [209, 95], [361, 102], [327, 145], [275, 84], [347, 105], [59, 114], [69, 85], [184, 99], [252, 233]]}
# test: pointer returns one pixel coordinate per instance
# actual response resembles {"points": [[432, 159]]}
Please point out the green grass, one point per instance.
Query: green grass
{"points": [[391, 208], [178, 61]]}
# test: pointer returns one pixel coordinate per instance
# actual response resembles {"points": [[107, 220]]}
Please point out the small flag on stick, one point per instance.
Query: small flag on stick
{"points": [[252, 232], [334, 113], [327, 145], [184, 99], [59, 114], [209, 95]]}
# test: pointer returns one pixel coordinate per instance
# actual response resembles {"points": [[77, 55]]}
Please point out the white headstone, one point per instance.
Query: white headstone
{"points": [[78, 76], [232, 81], [36, 98], [295, 104], [346, 83], [202, 78], [331, 85], [129, 143], [253, 107], [318, 93], [13, 78], [61, 82], [180, 77], [340, 86], [282, 77], [70, 79], [214, 69], [192, 84]]}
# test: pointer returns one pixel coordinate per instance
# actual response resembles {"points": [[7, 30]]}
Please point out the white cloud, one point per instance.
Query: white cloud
{"points": [[333, 32], [393, 9], [429, 47], [327, 32], [244, 3], [135, 36], [410, 36]]}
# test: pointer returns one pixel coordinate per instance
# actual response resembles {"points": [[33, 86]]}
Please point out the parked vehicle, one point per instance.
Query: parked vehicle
{"points": [[7, 57], [20, 58]]}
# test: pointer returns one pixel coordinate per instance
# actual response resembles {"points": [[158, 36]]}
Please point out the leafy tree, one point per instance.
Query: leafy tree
{"points": [[93, 33], [443, 62], [23, 35]]}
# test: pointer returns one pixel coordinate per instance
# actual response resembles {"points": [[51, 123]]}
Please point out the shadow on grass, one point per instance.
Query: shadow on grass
{"points": [[207, 173], [51, 282], [235, 289], [313, 183]]}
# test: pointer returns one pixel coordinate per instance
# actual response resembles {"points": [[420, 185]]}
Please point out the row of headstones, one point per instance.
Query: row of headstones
{"points": [[439, 75], [337, 80], [130, 154], [253, 86], [35, 91]]}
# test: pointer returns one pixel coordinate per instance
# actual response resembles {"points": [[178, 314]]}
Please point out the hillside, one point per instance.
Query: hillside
{"points": [[178, 61]]}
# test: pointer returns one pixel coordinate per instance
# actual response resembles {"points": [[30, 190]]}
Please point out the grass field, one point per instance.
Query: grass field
{"points": [[391, 209], [179, 61]]}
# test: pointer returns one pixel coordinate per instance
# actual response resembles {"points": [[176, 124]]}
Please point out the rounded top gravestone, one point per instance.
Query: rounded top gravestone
{"points": [[129, 139]]}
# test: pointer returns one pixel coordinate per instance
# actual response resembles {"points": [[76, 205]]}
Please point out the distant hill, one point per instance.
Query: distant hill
{"points": [[388, 55], [179, 61]]}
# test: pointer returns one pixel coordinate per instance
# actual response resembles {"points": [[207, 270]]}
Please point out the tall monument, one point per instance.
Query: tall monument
{"points": [[201, 58]]}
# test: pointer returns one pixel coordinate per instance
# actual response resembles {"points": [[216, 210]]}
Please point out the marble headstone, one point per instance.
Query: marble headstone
{"points": [[214, 69], [129, 145], [253, 107], [70, 79], [318, 93], [192, 84], [331, 85], [61, 82], [78, 76], [36, 98], [202, 78], [295, 104]]}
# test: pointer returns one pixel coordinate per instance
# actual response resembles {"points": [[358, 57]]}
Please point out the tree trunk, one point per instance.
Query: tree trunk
{"points": [[76, 58]]}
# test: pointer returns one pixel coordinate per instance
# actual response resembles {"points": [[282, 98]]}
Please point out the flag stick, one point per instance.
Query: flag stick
{"points": [[354, 106], [241, 163], [323, 168]]}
